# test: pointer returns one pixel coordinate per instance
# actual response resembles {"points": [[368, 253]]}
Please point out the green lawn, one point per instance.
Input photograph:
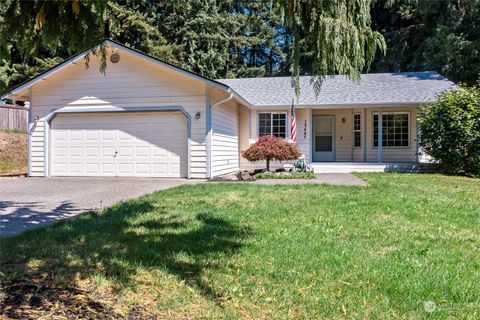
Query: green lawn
{"points": [[220, 250]]}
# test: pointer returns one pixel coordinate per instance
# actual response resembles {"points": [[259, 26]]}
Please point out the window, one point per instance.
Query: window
{"points": [[274, 124], [395, 131], [357, 129]]}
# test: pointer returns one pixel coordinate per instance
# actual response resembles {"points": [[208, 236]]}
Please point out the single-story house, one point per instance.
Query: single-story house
{"points": [[147, 118]]}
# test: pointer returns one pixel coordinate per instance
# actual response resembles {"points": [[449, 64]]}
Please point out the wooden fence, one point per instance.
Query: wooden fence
{"points": [[13, 117]]}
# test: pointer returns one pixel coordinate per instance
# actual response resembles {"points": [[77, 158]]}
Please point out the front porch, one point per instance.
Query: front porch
{"points": [[342, 140], [356, 135], [349, 167]]}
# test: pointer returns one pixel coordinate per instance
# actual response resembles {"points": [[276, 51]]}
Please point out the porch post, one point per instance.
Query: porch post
{"points": [[417, 146], [364, 134], [380, 135], [310, 134]]}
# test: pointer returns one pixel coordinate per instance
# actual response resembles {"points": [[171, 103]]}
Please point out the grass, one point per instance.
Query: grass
{"points": [[13, 151], [12, 131], [232, 251], [285, 175]]}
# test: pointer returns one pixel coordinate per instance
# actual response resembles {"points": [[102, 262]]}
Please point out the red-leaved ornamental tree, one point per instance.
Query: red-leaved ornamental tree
{"points": [[271, 148]]}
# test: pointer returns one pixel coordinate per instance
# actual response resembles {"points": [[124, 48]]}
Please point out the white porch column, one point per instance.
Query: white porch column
{"points": [[310, 134], [364, 134], [417, 145], [380, 135], [253, 128]]}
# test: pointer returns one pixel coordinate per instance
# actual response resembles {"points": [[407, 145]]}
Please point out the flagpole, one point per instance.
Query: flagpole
{"points": [[293, 126]]}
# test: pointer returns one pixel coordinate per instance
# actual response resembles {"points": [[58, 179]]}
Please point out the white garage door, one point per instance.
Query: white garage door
{"points": [[150, 144]]}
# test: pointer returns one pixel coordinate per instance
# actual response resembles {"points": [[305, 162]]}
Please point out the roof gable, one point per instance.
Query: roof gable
{"points": [[25, 85]]}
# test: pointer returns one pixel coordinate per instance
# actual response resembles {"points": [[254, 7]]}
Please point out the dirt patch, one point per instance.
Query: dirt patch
{"points": [[13, 152], [38, 297]]}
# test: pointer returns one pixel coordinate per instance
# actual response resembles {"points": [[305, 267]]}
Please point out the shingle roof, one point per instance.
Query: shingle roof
{"points": [[375, 88]]}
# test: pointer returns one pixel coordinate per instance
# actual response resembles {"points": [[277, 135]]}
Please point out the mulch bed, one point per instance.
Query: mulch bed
{"points": [[38, 298]]}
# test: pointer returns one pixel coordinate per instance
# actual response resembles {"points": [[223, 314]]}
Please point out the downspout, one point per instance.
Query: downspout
{"points": [[31, 127], [209, 129], [225, 100]]}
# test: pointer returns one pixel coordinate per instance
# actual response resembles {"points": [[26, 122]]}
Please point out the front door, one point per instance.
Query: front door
{"points": [[323, 138]]}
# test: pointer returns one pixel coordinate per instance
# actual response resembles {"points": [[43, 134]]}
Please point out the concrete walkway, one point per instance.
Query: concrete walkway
{"points": [[342, 179], [26, 203]]}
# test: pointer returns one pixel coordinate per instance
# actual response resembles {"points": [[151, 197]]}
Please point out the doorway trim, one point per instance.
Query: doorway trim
{"points": [[334, 136]]}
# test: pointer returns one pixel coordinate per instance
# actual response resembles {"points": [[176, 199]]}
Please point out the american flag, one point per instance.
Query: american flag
{"points": [[294, 123]]}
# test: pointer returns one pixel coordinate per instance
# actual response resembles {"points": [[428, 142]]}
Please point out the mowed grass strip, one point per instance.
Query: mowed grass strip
{"points": [[391, 249]]}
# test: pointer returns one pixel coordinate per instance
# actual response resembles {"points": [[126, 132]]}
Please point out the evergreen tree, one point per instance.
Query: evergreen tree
{"points": [[213, 38], [216, 38], [224, 38], [265, 40], [134, 24], [129, 22], [442, 35]]}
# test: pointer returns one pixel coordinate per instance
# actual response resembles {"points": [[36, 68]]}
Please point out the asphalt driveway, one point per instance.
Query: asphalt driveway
{"points": [[26, 203]]}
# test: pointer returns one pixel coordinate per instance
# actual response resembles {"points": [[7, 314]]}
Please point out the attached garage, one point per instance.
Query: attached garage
{"points": [[123, 144], [142, 117]]}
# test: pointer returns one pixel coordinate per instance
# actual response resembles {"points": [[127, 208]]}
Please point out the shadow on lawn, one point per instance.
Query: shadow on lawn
{"points": [[16, 217], [121, 241]]}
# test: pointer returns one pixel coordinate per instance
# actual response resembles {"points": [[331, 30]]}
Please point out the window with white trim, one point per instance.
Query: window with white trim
{"points": [[395, 129], [357, 130], [272, 124]]}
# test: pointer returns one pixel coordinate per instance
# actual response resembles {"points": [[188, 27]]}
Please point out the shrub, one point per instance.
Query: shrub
{"points": [[271, 148], [450, 130]]}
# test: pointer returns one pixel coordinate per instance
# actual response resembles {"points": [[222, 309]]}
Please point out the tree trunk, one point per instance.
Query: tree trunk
{"points": [[268, 164]]}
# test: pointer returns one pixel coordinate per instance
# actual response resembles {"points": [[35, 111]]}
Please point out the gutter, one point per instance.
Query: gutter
{"points": [[338, 106]]}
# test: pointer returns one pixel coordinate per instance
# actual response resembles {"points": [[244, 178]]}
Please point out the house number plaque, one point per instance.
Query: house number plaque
{"points": [[305, 130]]}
